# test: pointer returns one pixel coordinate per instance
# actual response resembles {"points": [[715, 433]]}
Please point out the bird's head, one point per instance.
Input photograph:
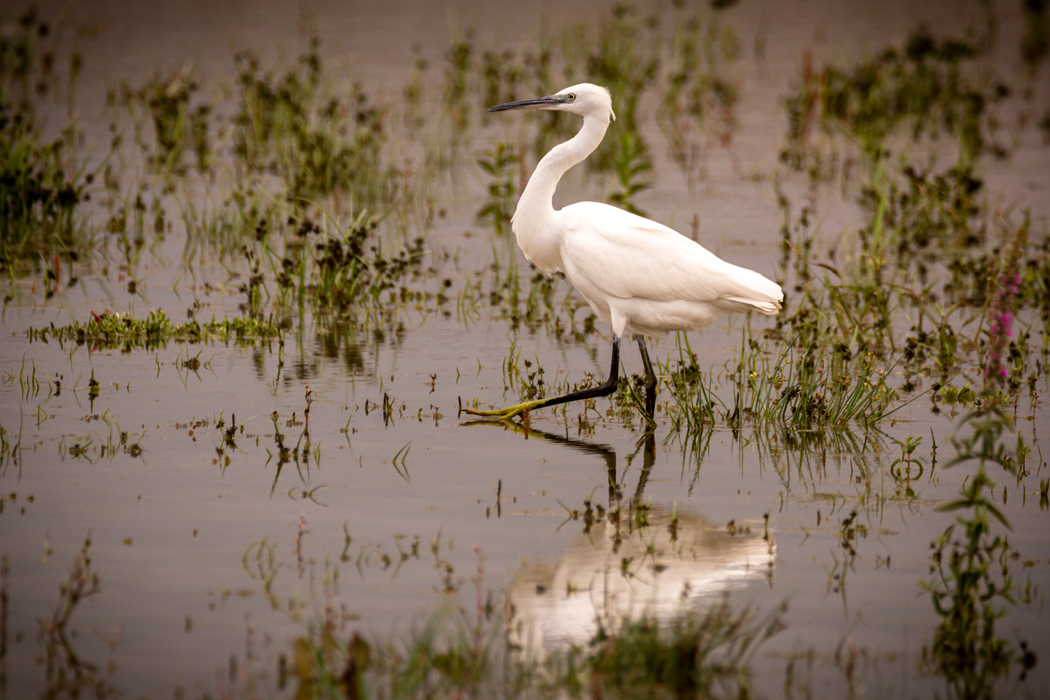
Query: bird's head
{"points": [[584, 99]]}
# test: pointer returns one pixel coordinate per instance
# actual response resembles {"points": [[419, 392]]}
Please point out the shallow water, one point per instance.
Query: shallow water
{"points": [[397, 503]]}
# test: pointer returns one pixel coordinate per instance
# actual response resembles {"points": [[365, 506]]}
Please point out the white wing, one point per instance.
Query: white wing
{"points": [[629, 257]]}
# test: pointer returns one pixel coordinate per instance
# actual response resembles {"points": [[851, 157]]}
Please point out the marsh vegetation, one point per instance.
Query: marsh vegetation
{"points": [[834, 500]]}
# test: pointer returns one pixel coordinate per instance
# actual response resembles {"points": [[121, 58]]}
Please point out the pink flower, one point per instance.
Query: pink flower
{"points": [[1000, 324]]}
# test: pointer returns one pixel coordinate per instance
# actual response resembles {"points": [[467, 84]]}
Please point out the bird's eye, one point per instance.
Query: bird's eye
{"points": [[570, 97]]}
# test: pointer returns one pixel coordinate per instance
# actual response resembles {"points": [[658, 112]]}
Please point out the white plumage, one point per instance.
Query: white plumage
{"points": [[637, 275]]}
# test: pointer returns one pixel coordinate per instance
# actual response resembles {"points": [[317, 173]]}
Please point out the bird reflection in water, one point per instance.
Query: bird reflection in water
{"points": [[632, 561]]}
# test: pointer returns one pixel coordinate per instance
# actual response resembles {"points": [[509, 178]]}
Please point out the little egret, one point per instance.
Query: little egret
{"points": [[639, 276]]}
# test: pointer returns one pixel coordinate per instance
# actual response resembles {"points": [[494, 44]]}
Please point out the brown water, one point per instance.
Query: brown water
{"points": [[174, 529]]}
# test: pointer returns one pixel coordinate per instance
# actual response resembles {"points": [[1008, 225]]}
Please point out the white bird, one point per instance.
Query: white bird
{"points": [[639, 276]]}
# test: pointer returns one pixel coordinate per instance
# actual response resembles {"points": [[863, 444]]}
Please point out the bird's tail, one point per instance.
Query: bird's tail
{"points": [[767, 307], [756, 292]]}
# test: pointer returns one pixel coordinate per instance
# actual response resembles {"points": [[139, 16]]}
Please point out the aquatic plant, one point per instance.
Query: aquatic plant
{"points": [[619, 60], [698, 106], [500, 163], [65, 671], [801, 386], [502, 76], [318, 143], [41, 180], [175, 129], [9, 447], [246, 216], [115, 330], [927, 84], [459, 59], [349, 270], [971, 578], [698, 655], [632, 160]]}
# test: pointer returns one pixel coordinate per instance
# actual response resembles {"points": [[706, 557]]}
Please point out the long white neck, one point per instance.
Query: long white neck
{"points": [[532, 222], [539, 192]]}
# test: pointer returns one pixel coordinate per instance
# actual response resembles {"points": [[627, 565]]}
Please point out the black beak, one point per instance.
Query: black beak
{"points": [[537, 103]]}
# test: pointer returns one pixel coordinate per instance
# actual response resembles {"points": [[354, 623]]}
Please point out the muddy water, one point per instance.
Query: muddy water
{"points": [[395, 501]]}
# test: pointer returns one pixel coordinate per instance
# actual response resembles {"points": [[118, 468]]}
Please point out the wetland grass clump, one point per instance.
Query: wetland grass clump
{"points": [[631, 162], [298, 258], [929, 85], [312, 167], [915, 291], [971, 583], [927, 254], [41, 182], [500, 164], [114, 330], [289, 123], [698, 107], [699, 654], [176, 128], [309, 164], [799, 387], [315, 140], [351, 268]]}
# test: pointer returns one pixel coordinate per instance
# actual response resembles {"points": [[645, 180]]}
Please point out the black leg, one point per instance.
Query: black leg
{"points": [[650, 378], [604, 390], [648, 459]]}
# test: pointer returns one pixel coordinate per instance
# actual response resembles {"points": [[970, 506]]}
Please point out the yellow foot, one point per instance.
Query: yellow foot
{"points": [[506, 413]]}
